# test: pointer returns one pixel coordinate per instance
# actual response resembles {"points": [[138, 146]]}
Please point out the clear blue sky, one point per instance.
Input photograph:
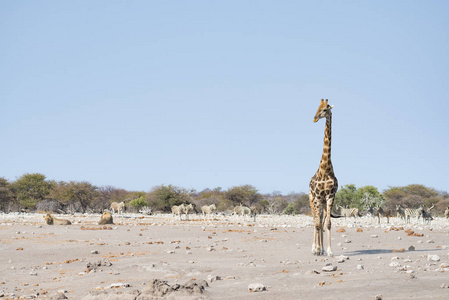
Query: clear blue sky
{"points": [[205, 94]]}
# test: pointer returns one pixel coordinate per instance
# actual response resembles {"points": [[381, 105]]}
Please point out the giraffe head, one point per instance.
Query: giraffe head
{"points": [[323, 110]]}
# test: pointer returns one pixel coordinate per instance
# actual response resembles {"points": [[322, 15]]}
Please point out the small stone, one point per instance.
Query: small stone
{"points": [[377, 297], [256, 287], [329, 268], [411, 248], [360, 267], [212, 278], [395, 264], [444, 286], [347, 241], [170, 251], [374, 236], [433, 258], [430, 242], [94, 252], [59, 296], [119, 285], [395, 257]]}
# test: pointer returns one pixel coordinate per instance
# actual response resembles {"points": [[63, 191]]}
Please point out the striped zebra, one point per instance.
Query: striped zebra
{"points": [[177, 210], [348, 212], [242, 210], [410, 212], [400, 212], [208, 209], [379, 212], [182, 209]]}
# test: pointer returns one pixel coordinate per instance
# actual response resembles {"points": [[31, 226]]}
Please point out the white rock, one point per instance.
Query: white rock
{"points": [[395, 264], [433, 257], [374, 236], [212, 278], [256, 287], [360, 267], [329, 268], [119, 285]]}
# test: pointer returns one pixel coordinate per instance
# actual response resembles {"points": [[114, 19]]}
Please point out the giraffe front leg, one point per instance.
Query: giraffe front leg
{"points": [[329, 204], [316, 228]]}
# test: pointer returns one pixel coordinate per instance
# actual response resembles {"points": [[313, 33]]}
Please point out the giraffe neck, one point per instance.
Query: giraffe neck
{"points": [[326, 164]]}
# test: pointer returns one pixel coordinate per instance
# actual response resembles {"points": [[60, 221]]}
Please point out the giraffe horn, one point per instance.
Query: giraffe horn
{"points": [[326, 102], [322, 101]]}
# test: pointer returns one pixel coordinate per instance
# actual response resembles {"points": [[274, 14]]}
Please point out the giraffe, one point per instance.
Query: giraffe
{"points": [[323, 186]]}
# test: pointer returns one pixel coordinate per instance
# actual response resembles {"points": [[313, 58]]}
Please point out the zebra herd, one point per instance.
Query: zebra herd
{"points": [[421, 212], [406, 214], [186, 209]]}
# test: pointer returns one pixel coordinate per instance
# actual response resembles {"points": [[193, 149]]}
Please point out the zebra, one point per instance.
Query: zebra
{"points": [[117, 207], [400, 212], [177, 210], [182, 209], [208, 209], [427, 215], [348, 212], [379, 212], [242, 210], [410, 212], [188, 208]]}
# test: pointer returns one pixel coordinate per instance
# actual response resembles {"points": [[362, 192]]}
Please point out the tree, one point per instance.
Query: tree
{"points": [[346, 196], [31, 189], [369, 196], [138, 203], [300, 205], [6, 194], [80, 195], [245, 194], [109, 194], [411, 196], [164, 197]]}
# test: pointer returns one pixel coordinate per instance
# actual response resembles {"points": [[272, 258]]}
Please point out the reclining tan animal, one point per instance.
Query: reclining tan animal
{"points": [[50, 220], [106, 218]]}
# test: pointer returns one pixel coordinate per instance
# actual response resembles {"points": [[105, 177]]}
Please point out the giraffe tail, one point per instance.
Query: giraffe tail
{"points": [[333, 215]]}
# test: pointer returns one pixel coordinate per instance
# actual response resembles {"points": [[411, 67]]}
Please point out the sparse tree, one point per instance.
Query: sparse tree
{"points": [[245, 194], [6, 194], [164, 197], [30, 189]]}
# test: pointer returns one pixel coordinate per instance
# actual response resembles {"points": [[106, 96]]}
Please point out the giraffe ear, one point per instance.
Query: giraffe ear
{"points": [[331, 106]]}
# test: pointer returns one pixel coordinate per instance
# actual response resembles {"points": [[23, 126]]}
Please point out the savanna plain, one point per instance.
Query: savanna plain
{"points": [[220, 257]]}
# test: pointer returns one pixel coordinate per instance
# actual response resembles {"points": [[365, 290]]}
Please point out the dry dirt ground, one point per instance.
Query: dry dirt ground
{"points": [[220, 258]]}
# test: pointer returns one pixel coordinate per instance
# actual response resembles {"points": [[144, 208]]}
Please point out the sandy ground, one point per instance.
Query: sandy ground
{"points": [[88, 261]]}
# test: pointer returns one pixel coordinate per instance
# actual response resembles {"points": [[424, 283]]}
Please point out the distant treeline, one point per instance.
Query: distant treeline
{"points": [[34, 192]]}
